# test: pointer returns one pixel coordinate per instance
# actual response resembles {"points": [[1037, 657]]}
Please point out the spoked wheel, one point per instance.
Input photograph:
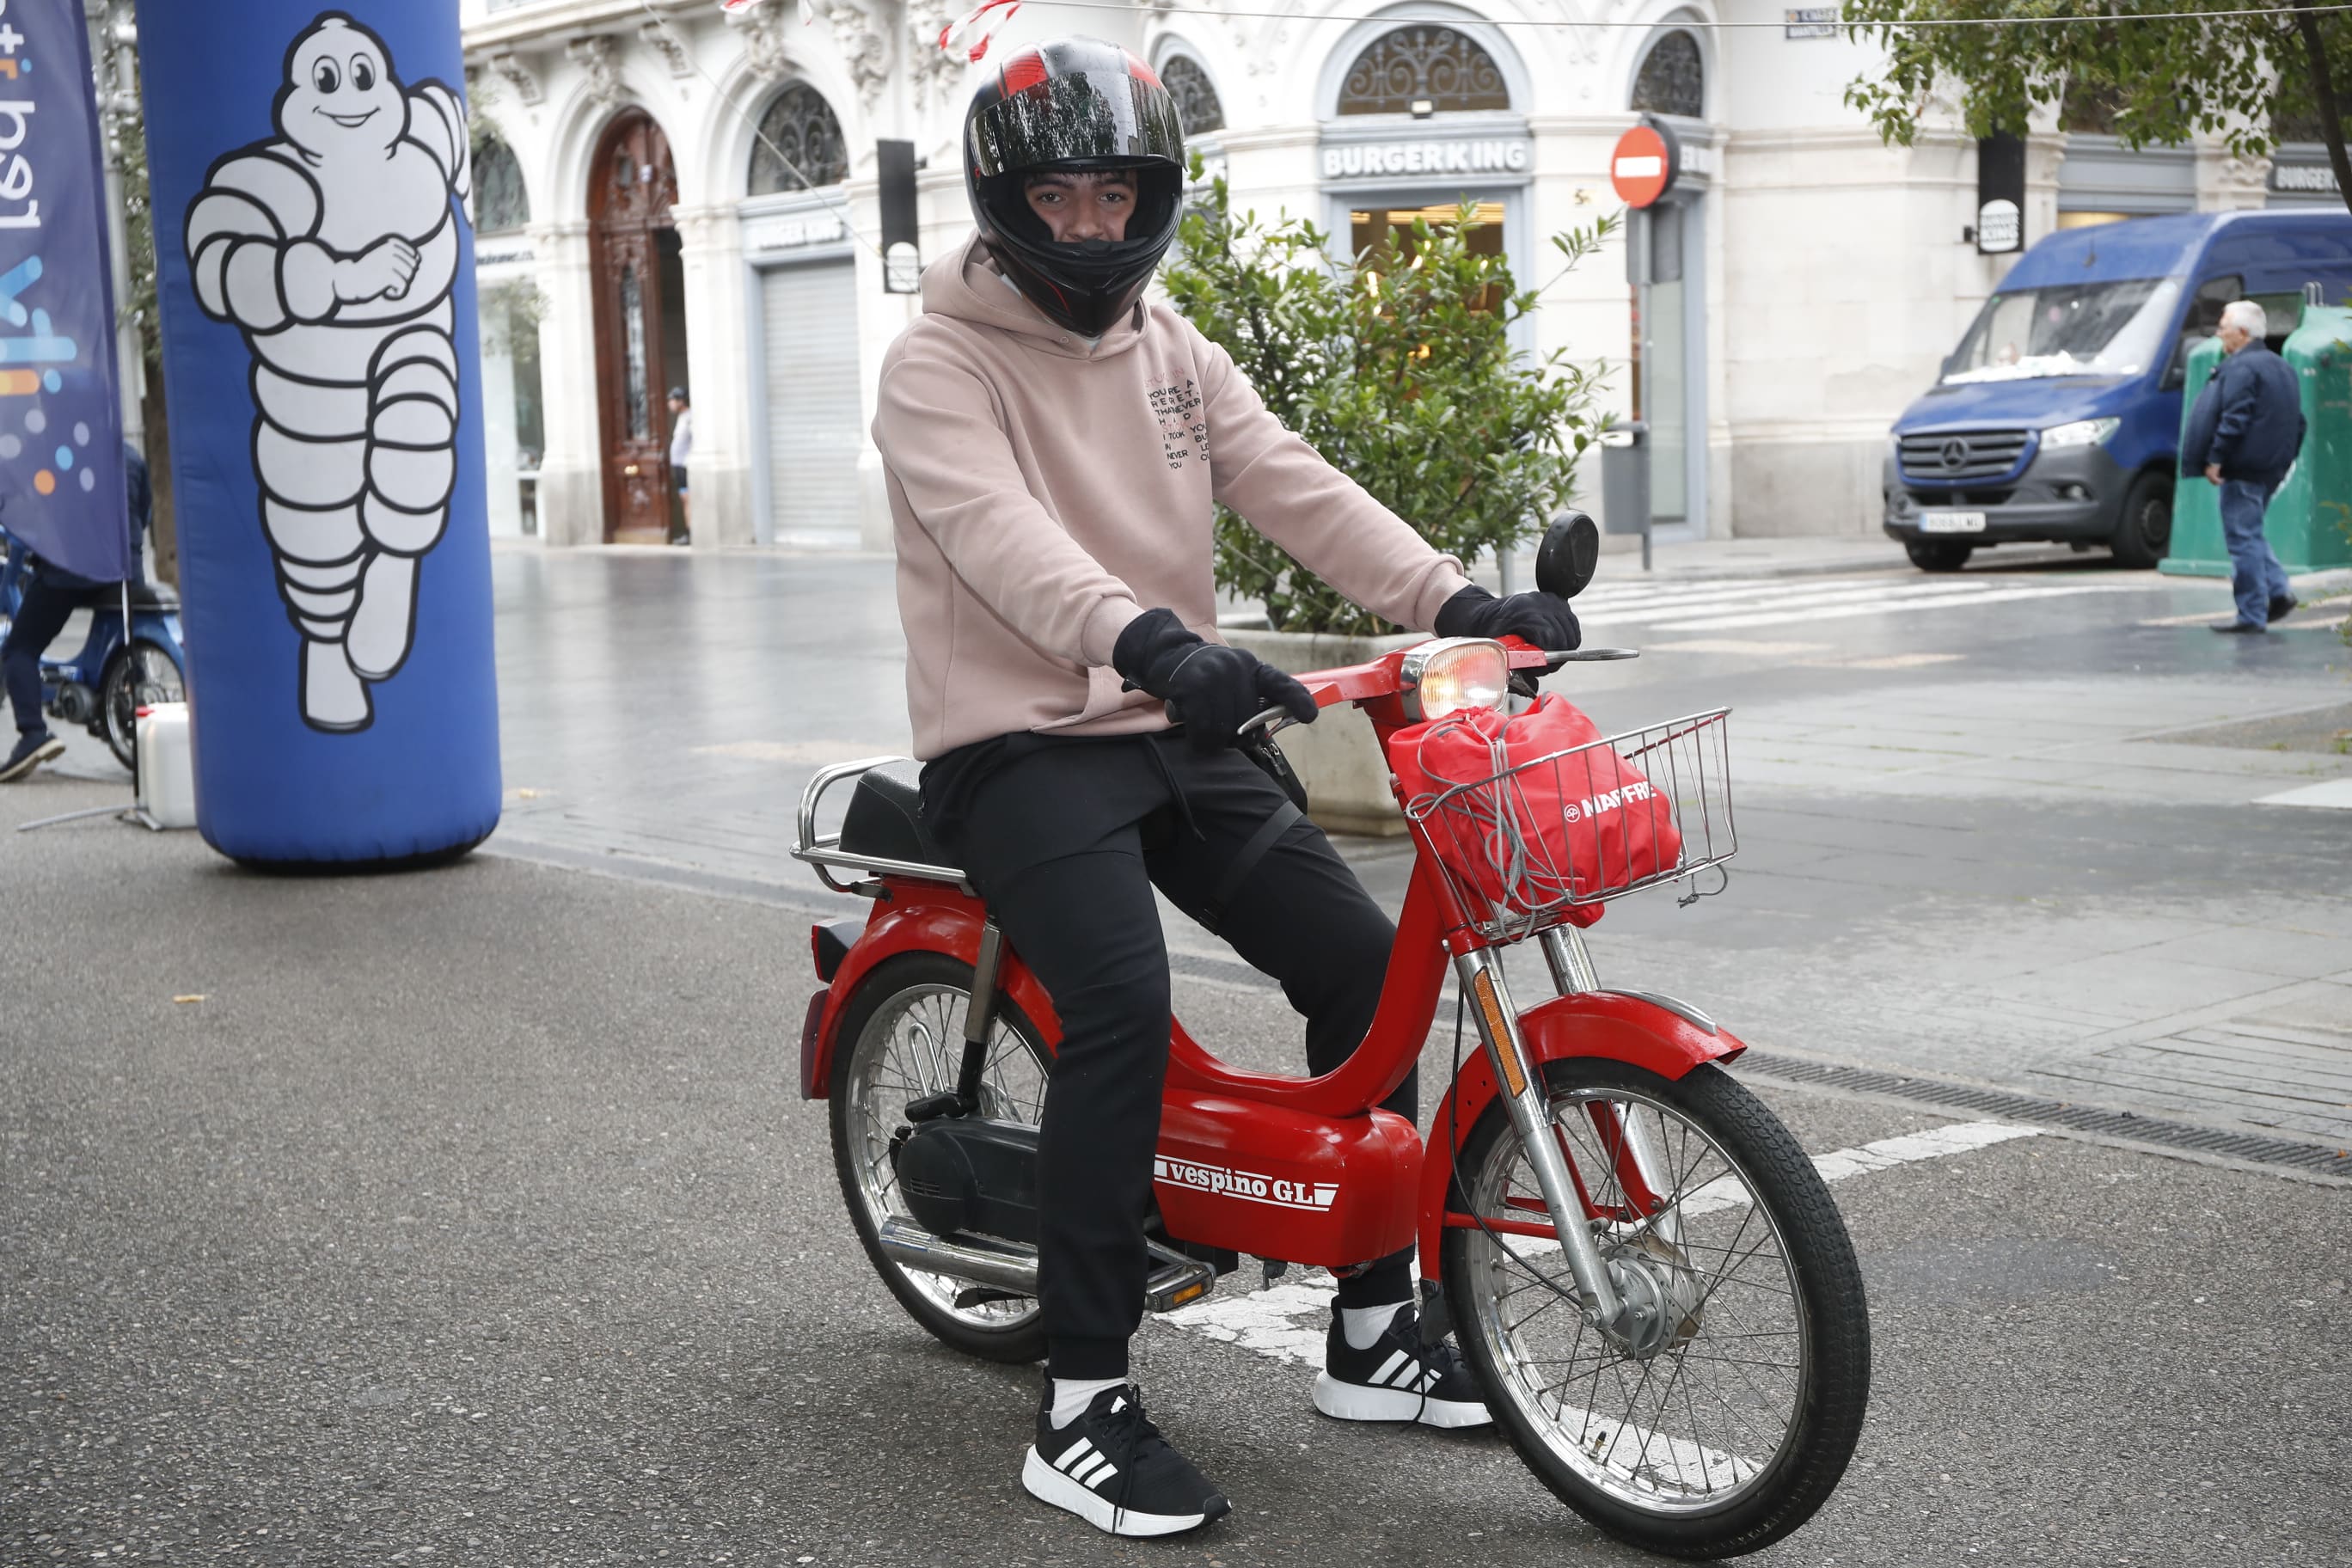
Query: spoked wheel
{"points": [[1721, 1424], [140, 676], [900, 1039]]}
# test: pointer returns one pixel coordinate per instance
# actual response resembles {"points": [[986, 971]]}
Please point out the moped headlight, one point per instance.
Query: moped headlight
{"points": [[2080, 433], [1454, 673]]}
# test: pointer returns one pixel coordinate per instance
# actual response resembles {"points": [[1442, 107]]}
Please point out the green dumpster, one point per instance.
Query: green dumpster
{"points": [[2310, 519]]}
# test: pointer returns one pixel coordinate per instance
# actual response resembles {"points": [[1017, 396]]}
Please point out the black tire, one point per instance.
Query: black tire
{"points": [[140, 674], [1826, 1314], [2144, 532], [1938, 554], [998, 1330]]}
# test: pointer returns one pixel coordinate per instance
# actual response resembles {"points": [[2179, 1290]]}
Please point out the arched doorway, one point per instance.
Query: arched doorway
{"points": [[640, 316]]}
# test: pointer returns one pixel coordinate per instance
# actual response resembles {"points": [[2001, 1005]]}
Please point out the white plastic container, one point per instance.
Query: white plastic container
{"points": [[167, 773]]}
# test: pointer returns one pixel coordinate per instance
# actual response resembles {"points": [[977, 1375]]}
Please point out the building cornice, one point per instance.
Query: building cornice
{"points": [[553, 21]]}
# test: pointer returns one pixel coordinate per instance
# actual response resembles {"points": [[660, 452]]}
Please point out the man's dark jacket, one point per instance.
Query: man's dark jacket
{"points": [[2249, 419]]}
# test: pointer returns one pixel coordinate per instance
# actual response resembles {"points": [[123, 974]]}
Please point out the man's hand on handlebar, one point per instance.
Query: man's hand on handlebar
{"points": [[1543, 620], [1214, 688]]}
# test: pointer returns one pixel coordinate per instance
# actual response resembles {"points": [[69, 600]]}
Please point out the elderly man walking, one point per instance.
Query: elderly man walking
{"points": [[2244, 434]]}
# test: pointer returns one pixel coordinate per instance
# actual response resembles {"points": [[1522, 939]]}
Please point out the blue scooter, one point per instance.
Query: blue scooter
{"points": [[103, 686]]}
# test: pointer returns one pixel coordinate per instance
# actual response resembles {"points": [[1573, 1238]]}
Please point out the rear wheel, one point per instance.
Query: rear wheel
{"points": [[1729, 1421], [1938, 554], [901, 1037], [140, 675], [2144, 532]]}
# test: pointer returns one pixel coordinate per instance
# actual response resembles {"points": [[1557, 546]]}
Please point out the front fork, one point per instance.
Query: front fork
{"points": [[1524, 1094]]}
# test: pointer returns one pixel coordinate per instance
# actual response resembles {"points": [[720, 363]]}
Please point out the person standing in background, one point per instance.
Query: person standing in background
{"points": [[2244, 434], [51, 596], [681, 448]]}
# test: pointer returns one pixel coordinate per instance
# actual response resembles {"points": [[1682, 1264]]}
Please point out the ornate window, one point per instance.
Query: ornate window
{"points": [[1197, 109], [636, 394], [1421, 69], [801, 126], [1673, 80], [501, 204]]}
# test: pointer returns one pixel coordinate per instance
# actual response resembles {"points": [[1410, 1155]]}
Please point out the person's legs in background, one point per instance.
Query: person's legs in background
{"points": [[40, 617], [2255, 575]]}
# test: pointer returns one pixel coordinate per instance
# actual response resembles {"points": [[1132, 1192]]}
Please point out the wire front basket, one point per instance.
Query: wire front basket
{"points": [[1545, 842]]}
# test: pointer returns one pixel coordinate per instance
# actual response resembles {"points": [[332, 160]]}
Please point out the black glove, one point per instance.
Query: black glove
{"points": [[1211, 687], [1544, 620]]}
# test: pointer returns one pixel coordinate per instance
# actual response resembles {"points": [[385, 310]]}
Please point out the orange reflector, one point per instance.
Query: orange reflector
{"points": [[1189, 1293], [1482, 988]]}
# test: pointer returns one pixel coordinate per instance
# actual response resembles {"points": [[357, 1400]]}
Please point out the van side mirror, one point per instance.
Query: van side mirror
{"points": [[1569, 555], [2176, 376]]}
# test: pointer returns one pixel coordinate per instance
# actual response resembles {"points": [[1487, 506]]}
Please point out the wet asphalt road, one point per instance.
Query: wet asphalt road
{"points": [[475, 1218]]}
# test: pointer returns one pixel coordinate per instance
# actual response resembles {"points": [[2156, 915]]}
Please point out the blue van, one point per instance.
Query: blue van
{"points": [[2058, 417]]}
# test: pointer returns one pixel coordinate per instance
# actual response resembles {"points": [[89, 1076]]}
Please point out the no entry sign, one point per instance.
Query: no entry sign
{"points": [[1645, 164]]}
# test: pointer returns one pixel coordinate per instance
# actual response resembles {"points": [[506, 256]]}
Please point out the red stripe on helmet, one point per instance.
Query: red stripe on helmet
{"points": [[1141, 72], [1024, 70]]}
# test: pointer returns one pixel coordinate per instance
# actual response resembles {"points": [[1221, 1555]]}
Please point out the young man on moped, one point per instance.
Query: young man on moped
{"points": [[1054, 448]]}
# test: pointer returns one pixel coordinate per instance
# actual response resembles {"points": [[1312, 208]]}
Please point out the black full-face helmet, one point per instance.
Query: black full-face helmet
{"points": [[1078, 106]]}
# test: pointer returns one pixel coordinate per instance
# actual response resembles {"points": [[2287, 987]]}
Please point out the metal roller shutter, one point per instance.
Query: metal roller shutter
{"points": [[810, 318]]}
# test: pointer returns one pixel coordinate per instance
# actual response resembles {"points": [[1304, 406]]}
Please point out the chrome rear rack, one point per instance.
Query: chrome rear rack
{"points": [[823, 851]]}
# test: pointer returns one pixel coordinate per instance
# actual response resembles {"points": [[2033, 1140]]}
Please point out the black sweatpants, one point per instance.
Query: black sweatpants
{"points": [[1066, 839]]}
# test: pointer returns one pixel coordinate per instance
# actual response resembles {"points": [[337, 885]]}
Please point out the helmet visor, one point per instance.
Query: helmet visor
{"points": [[1105, 118]]}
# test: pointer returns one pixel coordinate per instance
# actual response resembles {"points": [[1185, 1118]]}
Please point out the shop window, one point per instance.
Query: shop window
{"points": [[800, 145], [1197, 109], [1423, 70], [501, 204], [1368, 228], [1673, 79]]}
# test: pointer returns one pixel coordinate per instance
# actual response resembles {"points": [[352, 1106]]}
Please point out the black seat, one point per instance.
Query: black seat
{"points": [[884, 820], [153, 596]]}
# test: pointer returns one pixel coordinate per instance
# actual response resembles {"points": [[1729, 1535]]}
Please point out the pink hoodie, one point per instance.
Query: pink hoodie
{"points": [[1045, 492]]}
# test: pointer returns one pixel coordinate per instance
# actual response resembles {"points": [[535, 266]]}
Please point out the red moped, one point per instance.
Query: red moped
{"points": [[1645, 1271]]}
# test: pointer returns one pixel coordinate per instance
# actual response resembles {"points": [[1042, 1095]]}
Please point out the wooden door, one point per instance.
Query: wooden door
{"points": [[635, 186]]}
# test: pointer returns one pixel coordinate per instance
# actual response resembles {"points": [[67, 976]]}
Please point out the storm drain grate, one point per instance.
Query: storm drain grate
{"points": [[2252, 1148]]}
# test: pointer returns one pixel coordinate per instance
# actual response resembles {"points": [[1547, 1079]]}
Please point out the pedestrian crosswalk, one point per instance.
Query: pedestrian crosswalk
{"points": [[1746, 603]]}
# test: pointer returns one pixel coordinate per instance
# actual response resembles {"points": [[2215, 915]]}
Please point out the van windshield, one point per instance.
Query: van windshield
{"points": [[2072, 329]]}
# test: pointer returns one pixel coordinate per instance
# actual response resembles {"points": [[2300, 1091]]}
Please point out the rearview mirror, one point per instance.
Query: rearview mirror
{"points": [[1570, 552]]}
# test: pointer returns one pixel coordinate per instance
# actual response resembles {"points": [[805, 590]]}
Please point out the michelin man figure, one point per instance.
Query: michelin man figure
{"points": [[333, 247]]}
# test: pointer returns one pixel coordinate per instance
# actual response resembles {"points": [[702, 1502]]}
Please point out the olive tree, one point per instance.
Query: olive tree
{"points": [[1398, 366]]}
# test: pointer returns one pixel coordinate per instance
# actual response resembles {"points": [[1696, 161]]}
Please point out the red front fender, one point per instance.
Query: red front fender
{"points": [[1608, 1023], [918, 917]]}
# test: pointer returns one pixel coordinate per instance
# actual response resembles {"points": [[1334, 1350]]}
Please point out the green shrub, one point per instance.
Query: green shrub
{"points": [[1401, 372]]}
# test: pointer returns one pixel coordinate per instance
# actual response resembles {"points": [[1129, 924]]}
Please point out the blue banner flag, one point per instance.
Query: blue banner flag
{"points": [[60, 417]]}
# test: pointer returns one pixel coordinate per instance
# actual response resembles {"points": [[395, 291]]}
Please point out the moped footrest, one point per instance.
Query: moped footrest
{"points": [[1176, 1280]]}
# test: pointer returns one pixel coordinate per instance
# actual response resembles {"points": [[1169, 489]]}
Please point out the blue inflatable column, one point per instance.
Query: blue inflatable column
{"points": [[311, 176]]}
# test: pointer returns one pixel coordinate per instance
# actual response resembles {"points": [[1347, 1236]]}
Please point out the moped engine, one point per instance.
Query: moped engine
{"points": [[75, 703], [969, 1175]]}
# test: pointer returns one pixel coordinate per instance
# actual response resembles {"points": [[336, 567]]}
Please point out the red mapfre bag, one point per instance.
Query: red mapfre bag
{"points": [[1575, 826]]}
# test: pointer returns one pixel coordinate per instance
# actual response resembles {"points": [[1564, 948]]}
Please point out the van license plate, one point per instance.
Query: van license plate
{"points": [[1951, 523]]}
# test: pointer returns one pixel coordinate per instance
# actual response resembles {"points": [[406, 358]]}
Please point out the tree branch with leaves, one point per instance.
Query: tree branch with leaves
{"points": [[1399, 368], [2166, 74]]}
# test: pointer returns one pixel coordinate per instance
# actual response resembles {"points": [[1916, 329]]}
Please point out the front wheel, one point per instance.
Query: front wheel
{"points": [[1938, 554], [1722, 1427], [2144, 532], [140, 675]]}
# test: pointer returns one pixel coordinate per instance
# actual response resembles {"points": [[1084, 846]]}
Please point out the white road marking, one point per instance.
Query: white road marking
{"points": [[1770, 602], [1287, 1321]]}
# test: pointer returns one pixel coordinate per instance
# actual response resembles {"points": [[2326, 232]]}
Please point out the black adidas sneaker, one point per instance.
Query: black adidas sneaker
{"points": [[1399, 1379], [1112, 1468]]}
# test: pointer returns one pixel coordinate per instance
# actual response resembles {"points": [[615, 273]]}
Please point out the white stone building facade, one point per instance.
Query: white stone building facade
{"points": [[1804, 284]]}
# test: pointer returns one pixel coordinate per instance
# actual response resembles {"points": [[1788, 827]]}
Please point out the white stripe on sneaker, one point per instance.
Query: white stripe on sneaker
{"points": [[1102, 1472], [1389, 1367], [1072, 1454], [1405, 1378]]}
